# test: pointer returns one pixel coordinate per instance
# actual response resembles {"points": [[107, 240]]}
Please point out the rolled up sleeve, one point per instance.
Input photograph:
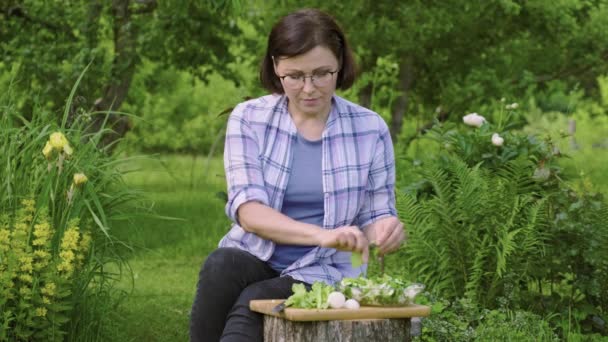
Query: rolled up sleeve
{"points": [[379, 198], [244, 177]]}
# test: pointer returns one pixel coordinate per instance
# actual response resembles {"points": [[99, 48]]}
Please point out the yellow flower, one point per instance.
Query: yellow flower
{"points": [[42, 233], [26, 278], [29, 205], [4, 240], [41, 254], [70, 239], [25, 291], [46, 300], [85, 243], [66, 256], [20, 227], [41, 312], [80, 178], [66, 267], [26, 264], [42, 257], [66, 264], [67, 149], [47, 151], [49, 289], [58, 141]]}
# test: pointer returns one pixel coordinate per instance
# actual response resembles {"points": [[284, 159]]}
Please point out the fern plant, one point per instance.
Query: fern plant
{"points": [[489, 221], [470, 227]]}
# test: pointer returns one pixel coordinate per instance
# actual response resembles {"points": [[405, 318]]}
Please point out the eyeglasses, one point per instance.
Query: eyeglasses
{"points": [[320, 79]]}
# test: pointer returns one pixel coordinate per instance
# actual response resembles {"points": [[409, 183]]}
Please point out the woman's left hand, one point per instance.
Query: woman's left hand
{"points": [[387, 234]]}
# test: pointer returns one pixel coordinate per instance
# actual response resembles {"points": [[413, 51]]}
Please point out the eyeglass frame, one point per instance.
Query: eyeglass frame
{"points": [[311, 76]]}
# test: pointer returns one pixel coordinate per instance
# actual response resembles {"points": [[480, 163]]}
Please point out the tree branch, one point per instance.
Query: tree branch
{"points": [[567, 72], [19, 12]]}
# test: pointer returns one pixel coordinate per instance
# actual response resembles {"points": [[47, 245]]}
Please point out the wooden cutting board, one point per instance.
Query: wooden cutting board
{"points": [[265, 306]]}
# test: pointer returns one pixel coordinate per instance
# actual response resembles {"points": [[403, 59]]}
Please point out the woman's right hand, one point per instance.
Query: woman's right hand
{"points": [[346, 238]]}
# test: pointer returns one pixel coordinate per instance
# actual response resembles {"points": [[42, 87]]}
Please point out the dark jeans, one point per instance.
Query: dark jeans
{"points": [[228, 280]]}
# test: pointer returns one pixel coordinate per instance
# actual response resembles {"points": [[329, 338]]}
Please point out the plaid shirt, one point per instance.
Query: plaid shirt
{"points": [[358, 174]]}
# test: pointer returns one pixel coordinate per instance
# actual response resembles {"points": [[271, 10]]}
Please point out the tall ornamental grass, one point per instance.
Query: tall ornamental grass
{"points": [[59, 194]]}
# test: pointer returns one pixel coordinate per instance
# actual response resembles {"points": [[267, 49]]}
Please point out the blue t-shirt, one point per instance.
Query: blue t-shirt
{"points": [[303, 199]]}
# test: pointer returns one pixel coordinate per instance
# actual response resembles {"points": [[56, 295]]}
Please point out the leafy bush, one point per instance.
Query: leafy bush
{"points": [[500, 220], [463, 320], [178, 113]]}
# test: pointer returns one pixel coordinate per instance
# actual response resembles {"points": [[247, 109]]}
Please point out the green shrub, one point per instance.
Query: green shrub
{"points": [[463, 320], [502, 325], [489, 222], [177, 113]]}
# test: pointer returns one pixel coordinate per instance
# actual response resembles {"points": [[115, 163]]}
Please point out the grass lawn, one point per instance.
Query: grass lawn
{"points": [[167, 254]]}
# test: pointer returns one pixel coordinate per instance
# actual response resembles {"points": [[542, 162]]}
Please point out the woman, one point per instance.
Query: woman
{"points": [[310, 180]]}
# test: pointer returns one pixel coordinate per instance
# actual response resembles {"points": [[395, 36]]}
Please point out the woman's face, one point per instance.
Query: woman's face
{"points": [[308, 97]]}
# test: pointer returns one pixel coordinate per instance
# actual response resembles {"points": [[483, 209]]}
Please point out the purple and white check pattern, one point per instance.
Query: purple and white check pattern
{"points": [[358, 176]]}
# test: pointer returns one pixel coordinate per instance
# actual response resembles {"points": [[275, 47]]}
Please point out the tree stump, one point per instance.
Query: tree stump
{"points": [[277, 329]]}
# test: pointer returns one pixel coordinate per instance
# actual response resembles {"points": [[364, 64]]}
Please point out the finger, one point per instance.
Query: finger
{"points": [[381, 234], [365, 255], [350, 241], [393, 246], [342, 242], [396, 243], [384, 229], [362, 242], [393, 241]]}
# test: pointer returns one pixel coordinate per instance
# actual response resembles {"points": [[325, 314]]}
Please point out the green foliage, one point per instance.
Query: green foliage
{"points": [[49, 43], [488, 222], [470, 226], [461, 55], [462, 320], [514, 326], [77, 191], [178, 113], [586, 125], [39, 267]]}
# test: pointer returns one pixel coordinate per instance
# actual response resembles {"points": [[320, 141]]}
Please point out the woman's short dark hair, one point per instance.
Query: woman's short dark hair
{"points": [[300, 32]]}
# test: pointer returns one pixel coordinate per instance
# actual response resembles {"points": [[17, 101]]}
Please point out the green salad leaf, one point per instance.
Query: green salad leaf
{"points": [[382, 290], [378, 291], [316, 298], [356, 260]]}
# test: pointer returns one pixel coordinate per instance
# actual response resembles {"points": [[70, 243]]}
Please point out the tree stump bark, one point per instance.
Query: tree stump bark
{"points": [[277, 329]]}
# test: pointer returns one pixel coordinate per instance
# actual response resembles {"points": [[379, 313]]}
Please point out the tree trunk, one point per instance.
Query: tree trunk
{"points": [[365, 93], [406, 78], [365, 96], [277, 329], [123, 68]]}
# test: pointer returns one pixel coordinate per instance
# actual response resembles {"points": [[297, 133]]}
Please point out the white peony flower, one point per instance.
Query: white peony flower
{"points": [[473, 119], [497, 140]]}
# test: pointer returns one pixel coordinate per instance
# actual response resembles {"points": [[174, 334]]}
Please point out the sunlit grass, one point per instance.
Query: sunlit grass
{"points": [[167, 253]]}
